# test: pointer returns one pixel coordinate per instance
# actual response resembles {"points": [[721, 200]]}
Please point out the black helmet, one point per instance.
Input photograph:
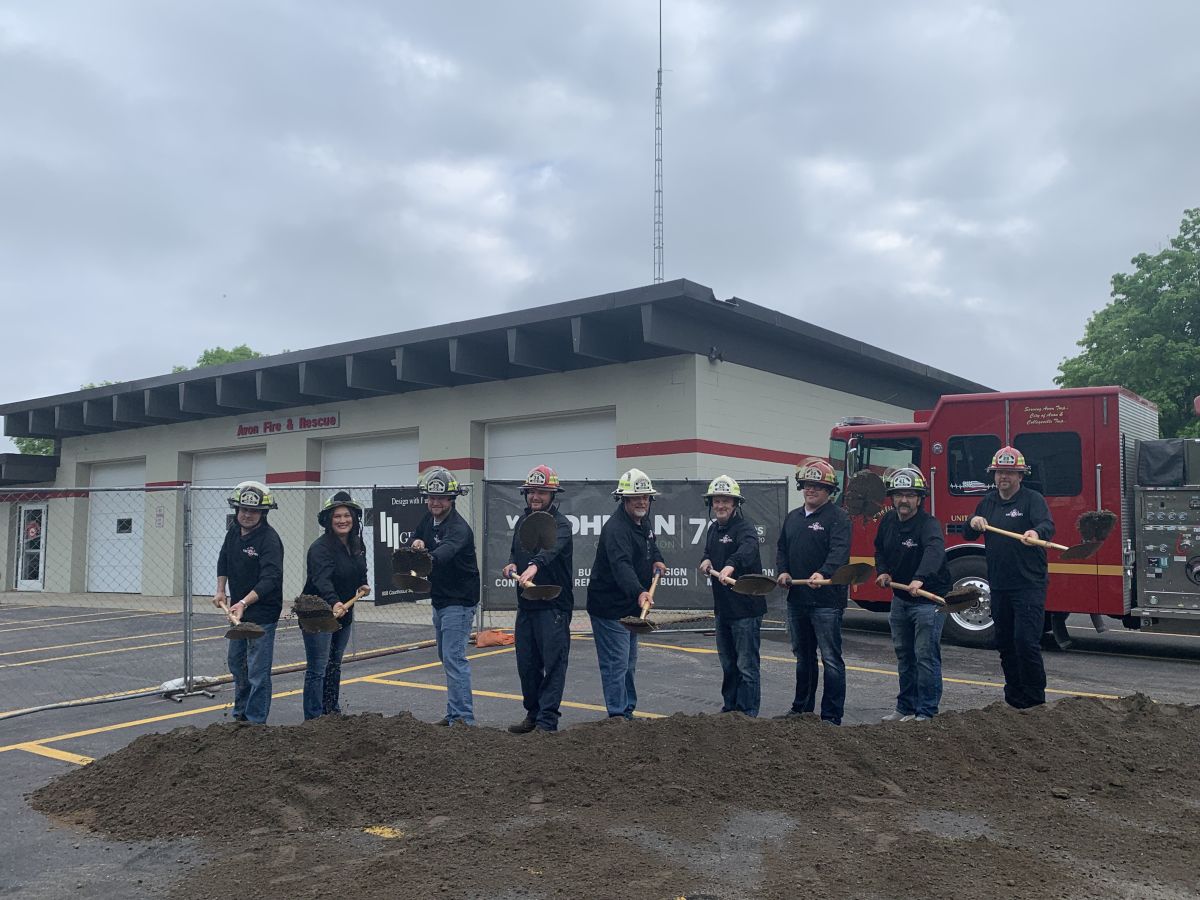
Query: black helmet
{"points": [[341, 498]]}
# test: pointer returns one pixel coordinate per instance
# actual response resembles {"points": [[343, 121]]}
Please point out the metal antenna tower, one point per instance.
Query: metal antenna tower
{"points": [[658, 162]]}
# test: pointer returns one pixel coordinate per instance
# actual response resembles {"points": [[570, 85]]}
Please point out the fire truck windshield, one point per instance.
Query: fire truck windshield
{"points": [[884, 454], [837, 459]]}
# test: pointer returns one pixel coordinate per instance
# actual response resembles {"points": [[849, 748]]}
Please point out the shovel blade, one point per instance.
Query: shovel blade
{"points": [[961, 599], [1081, 551], [638, 625], [245, 631], [754, 585], [852, 573], [541, 592], [318, 624], [538, 531], [418, 562], [412, 583]]}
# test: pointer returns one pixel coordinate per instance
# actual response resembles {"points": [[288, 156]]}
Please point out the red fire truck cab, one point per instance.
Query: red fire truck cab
{"points": [[1081, 445]]}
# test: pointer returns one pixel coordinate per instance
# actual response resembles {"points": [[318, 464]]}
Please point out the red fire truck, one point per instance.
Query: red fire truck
{"points": [[1081, 445]]}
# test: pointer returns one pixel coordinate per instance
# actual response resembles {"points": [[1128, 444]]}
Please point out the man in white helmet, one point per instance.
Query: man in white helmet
{"points": [[626, 559], [250, 566]]}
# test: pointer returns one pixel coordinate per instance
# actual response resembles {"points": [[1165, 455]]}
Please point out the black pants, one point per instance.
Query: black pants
{"points": [[1020, 618], [543, 646]]}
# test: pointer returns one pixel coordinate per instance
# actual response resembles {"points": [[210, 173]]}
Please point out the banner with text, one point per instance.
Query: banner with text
{"points": [[396, 512]]}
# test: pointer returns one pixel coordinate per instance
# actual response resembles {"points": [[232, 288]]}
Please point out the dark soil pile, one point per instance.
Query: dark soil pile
{"points": [[1083, 798]]}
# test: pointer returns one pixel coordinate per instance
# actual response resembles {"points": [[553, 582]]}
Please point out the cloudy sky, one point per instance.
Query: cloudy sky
{"points": [[955, 181]]}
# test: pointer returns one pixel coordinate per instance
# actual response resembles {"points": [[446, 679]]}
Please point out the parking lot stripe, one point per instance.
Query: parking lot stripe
{"points": [[500, 696], [55, 753], [128, 637], [88, 621], [85, 615], [49, 659]]}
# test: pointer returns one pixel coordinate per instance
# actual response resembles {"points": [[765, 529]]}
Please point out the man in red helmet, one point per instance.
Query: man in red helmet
{"points": [[1017, 575], [543, 629]]}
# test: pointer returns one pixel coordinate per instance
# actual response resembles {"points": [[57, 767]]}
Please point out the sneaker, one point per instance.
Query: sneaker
{"points": [[922, 718], [443, 722], [896, 716], [523, 727]]}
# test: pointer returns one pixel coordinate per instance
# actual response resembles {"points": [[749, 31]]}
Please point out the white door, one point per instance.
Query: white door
{"points": [[115, 533], [576, 446], [211, 515], [358, 464], [31, 547]]}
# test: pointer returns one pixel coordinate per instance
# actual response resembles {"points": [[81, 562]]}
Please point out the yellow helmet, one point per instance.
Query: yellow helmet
{"points": [[634, 483], [723, 486], [252, 495]]}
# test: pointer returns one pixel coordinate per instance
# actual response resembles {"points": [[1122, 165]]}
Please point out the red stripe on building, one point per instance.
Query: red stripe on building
{"points": [[715, 448], [151, 485], [293, 477], [460, 462]]}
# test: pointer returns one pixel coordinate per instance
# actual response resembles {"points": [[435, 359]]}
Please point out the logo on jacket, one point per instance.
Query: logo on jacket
{"points": [[816, 526], [1014, 514], [909, 543], [250, 551], [725, 539]]}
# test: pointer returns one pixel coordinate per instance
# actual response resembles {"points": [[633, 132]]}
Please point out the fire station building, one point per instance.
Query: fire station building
{"points": [[667, 378]]}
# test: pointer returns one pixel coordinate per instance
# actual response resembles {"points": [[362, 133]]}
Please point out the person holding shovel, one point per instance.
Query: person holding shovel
{"points": [[543, 627], [250, 567], [730, 551], [815, 543], [1017, 575], [627, 557], [337, 568], [910, 555], [445, 534]]}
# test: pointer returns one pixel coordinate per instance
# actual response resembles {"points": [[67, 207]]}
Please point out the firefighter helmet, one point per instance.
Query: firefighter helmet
{"points": [[908, 478], [816, 471], [542, 478], [634, 483], [1009, 459], [440, 482], [252, 495], [723, 486], [341, 498]]}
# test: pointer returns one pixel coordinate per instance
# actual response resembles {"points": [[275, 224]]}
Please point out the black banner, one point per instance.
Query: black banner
{"points": [[680, 520], [396, 514]]}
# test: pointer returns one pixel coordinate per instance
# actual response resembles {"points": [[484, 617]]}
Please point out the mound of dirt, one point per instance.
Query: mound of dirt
{"points": [[1079, 798]]}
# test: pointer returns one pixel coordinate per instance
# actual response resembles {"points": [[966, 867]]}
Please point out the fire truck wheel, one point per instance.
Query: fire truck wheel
{"points": [[971, 627]]}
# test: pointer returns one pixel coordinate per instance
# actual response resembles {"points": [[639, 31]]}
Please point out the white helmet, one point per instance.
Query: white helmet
{"points": [[634, 483]]}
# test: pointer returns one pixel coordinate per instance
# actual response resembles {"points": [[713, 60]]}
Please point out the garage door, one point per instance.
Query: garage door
{"points": [[115, 520], [577, 447], [211, 515], [358, 464]]}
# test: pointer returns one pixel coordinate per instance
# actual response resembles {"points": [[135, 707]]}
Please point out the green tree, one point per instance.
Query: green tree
{"points": [[218, 356], [35, 446], [1148, 338]]}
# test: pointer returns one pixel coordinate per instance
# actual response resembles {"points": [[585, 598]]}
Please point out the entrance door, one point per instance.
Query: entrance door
{"points": [[115, 533], [31, 548]]}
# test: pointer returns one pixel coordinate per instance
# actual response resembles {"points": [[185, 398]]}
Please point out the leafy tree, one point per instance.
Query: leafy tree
{"points": [[1148, 338], [35, 446], [218, 356]]}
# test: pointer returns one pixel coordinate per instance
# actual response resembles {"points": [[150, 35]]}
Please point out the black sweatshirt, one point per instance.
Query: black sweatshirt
{"points": [[734, 544], [819, 542], [1011, 565], [334, 574], [455, 576], [624, 566], [254, 563], [912, 550], [556, 565]]}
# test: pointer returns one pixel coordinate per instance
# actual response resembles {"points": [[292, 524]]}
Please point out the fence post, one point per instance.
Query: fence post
{"points": [[188, 673]]}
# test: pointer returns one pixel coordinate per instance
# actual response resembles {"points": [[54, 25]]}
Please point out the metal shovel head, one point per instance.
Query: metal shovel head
{"points": [[754, 585], [539, 531], [1081, 551], [244, 631], [638, 625], [852, 573], [1096, 525], [413, 583], [961, 599], [865, 494], [418, 562], [314, 615], [541, 592]]}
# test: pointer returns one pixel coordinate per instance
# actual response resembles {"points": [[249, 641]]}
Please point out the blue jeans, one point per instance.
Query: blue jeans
{"points": [[543, 646], [917, 636], [250, 665], [814, 628], [738, 643], [323, 675], [452, 625], [1020, 619], [616, 651]]}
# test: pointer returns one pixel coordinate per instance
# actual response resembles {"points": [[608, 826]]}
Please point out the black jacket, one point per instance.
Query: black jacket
{"points": [[334, 574], [555, 565], [254, 563], [734, 544], [624, 567], [914, 549], [816, 543], [455, 577], [1011, 565]]}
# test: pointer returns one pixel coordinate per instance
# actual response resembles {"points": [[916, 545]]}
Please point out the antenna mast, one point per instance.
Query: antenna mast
{"points": [[658, 162]]}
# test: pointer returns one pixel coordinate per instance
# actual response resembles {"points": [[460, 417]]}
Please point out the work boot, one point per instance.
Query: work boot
{"points": [[897, 716], [443, 722], [525, 726]]}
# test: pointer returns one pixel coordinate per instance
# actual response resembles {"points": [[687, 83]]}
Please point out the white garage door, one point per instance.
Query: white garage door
{"points": [[211, 515], [115, 519], [387, 460], [577, 447]]}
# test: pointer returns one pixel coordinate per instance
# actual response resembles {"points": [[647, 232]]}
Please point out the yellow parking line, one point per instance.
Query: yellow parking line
{"points": [[87, 622], [55, 753], [85, 615], [128, 637], [499, 695], [49, 659]]}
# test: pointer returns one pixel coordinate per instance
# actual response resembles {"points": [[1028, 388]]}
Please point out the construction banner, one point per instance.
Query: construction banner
{"points": [[396, 512]]}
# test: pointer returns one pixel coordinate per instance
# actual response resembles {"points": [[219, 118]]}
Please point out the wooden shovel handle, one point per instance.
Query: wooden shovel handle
{"points": [[653, 586], [362, 592], [1038, 542], [228, 614], [921, 592]]}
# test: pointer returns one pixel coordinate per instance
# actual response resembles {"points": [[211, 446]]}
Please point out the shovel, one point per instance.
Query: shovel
{"points": [[411, 568], [851, 573], [539, 531], [866, 494], [531, 591], [320, 619], [955, 601], [1079, 551], [242, 631], [640, 624]]}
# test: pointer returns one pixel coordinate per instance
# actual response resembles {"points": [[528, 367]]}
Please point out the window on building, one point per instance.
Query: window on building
{"points": [[967, 459], [1056, 459]]}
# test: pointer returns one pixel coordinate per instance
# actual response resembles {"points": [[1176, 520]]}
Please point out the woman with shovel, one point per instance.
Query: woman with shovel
{"points": [[337, 569], [1017, 574], [250, 566]]}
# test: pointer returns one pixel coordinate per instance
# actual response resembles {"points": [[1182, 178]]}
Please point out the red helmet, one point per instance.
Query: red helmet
{"points": [[818, 472], [542, 478], [1008, 459]]}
